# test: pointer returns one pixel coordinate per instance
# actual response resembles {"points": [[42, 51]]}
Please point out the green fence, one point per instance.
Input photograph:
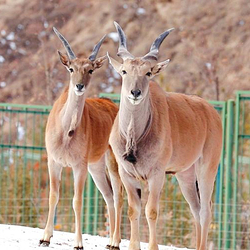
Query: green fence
{"points": [[24, 182]]}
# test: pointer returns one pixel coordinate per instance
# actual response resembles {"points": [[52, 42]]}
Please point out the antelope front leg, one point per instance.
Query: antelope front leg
{"points": [[118, 197], [155, 185], [133, 190], [55, 171], [80, 174]]}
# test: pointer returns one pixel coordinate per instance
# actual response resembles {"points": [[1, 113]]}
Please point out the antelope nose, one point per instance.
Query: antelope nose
{"points": [[136, 92], [80, 86]]}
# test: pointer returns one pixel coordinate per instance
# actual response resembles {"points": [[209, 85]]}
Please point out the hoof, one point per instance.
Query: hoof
{"points": [[115, 248], [44, 243], [78, 248], [108, 247]]}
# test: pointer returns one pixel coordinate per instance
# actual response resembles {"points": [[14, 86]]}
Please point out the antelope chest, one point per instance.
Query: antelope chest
{"points": [[139, 164], [65, 150]]}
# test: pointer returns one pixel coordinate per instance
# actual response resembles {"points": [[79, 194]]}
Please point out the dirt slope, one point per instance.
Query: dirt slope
{"points": [[210, 44]]}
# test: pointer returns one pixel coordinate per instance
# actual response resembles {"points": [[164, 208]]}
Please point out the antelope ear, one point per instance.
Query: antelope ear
{"points": [[159, 67], [99, 62], [116, 65], [64, 59]]}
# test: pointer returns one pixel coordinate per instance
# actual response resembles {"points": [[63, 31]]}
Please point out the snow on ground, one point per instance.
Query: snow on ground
{"points": [[18, 237]]}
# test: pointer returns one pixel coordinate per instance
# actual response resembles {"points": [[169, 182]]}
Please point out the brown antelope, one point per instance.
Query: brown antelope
{"points": [[77, 135], [156, 132]]}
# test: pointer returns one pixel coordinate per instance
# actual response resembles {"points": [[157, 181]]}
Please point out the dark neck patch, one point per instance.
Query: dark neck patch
{"points": [[138, 190], [71, 133], [170, 172], [130, 157]]}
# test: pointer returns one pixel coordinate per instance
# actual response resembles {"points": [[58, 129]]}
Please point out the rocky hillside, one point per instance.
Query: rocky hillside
{"points": [[209, 49]]}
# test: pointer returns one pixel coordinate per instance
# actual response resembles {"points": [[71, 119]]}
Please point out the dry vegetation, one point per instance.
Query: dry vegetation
{"points": [[209, 48]]}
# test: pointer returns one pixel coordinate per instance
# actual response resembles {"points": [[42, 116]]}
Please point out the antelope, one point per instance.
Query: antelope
{"points": [[77, 135], [157, 133]]}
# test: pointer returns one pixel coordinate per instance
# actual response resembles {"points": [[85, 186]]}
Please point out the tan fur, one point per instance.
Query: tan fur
{"points": [[95, 126], [77, 135], [156, 133], [153, 214], [130, 212], [184, 136]]}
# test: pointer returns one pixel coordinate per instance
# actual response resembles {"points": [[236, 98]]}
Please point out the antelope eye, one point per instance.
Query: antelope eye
{"points": [[90, 71], [124, 72], [149, 74], [71, 70]]}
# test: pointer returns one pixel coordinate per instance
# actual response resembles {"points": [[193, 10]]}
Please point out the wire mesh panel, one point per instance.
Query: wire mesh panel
{"points": [[23, 160], [241, 175]]}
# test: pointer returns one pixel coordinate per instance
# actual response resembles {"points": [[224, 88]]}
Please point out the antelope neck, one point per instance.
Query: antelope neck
{"points": [[71, 113], [135, 119]]}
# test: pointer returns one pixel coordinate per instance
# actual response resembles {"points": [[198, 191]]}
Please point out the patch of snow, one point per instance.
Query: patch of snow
{"points": [[1, 59], [208, 65], [20, 131], [111, 79], [14, 72], [19, 237], [114, 36], [13, 45], [11, 36], [27, 42], [45, 24], [11, 159], [22, 51], [59, 85], [241, 22], [103, 85], [140, 11], [42, 34], [125, 6], [55, 71], [20, 26], [3, 32], [115, 73], [109, 89], [6, 118], [3, 41], [2, 84]]}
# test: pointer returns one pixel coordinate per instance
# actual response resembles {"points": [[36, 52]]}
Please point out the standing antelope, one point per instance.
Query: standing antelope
{"points": [[77, 135], [156, 133]]}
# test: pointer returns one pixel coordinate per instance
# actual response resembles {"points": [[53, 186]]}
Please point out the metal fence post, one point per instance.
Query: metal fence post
{"points": [[96, 208], [235, 172], [90, 205], [221, 177], [228, 171]]}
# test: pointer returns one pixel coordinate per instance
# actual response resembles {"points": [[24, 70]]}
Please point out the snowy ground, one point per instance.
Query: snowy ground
{"points": [[17, 237]]}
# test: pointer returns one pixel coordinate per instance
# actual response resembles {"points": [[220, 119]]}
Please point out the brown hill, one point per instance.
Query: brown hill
{"points": [[209, 47]]}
